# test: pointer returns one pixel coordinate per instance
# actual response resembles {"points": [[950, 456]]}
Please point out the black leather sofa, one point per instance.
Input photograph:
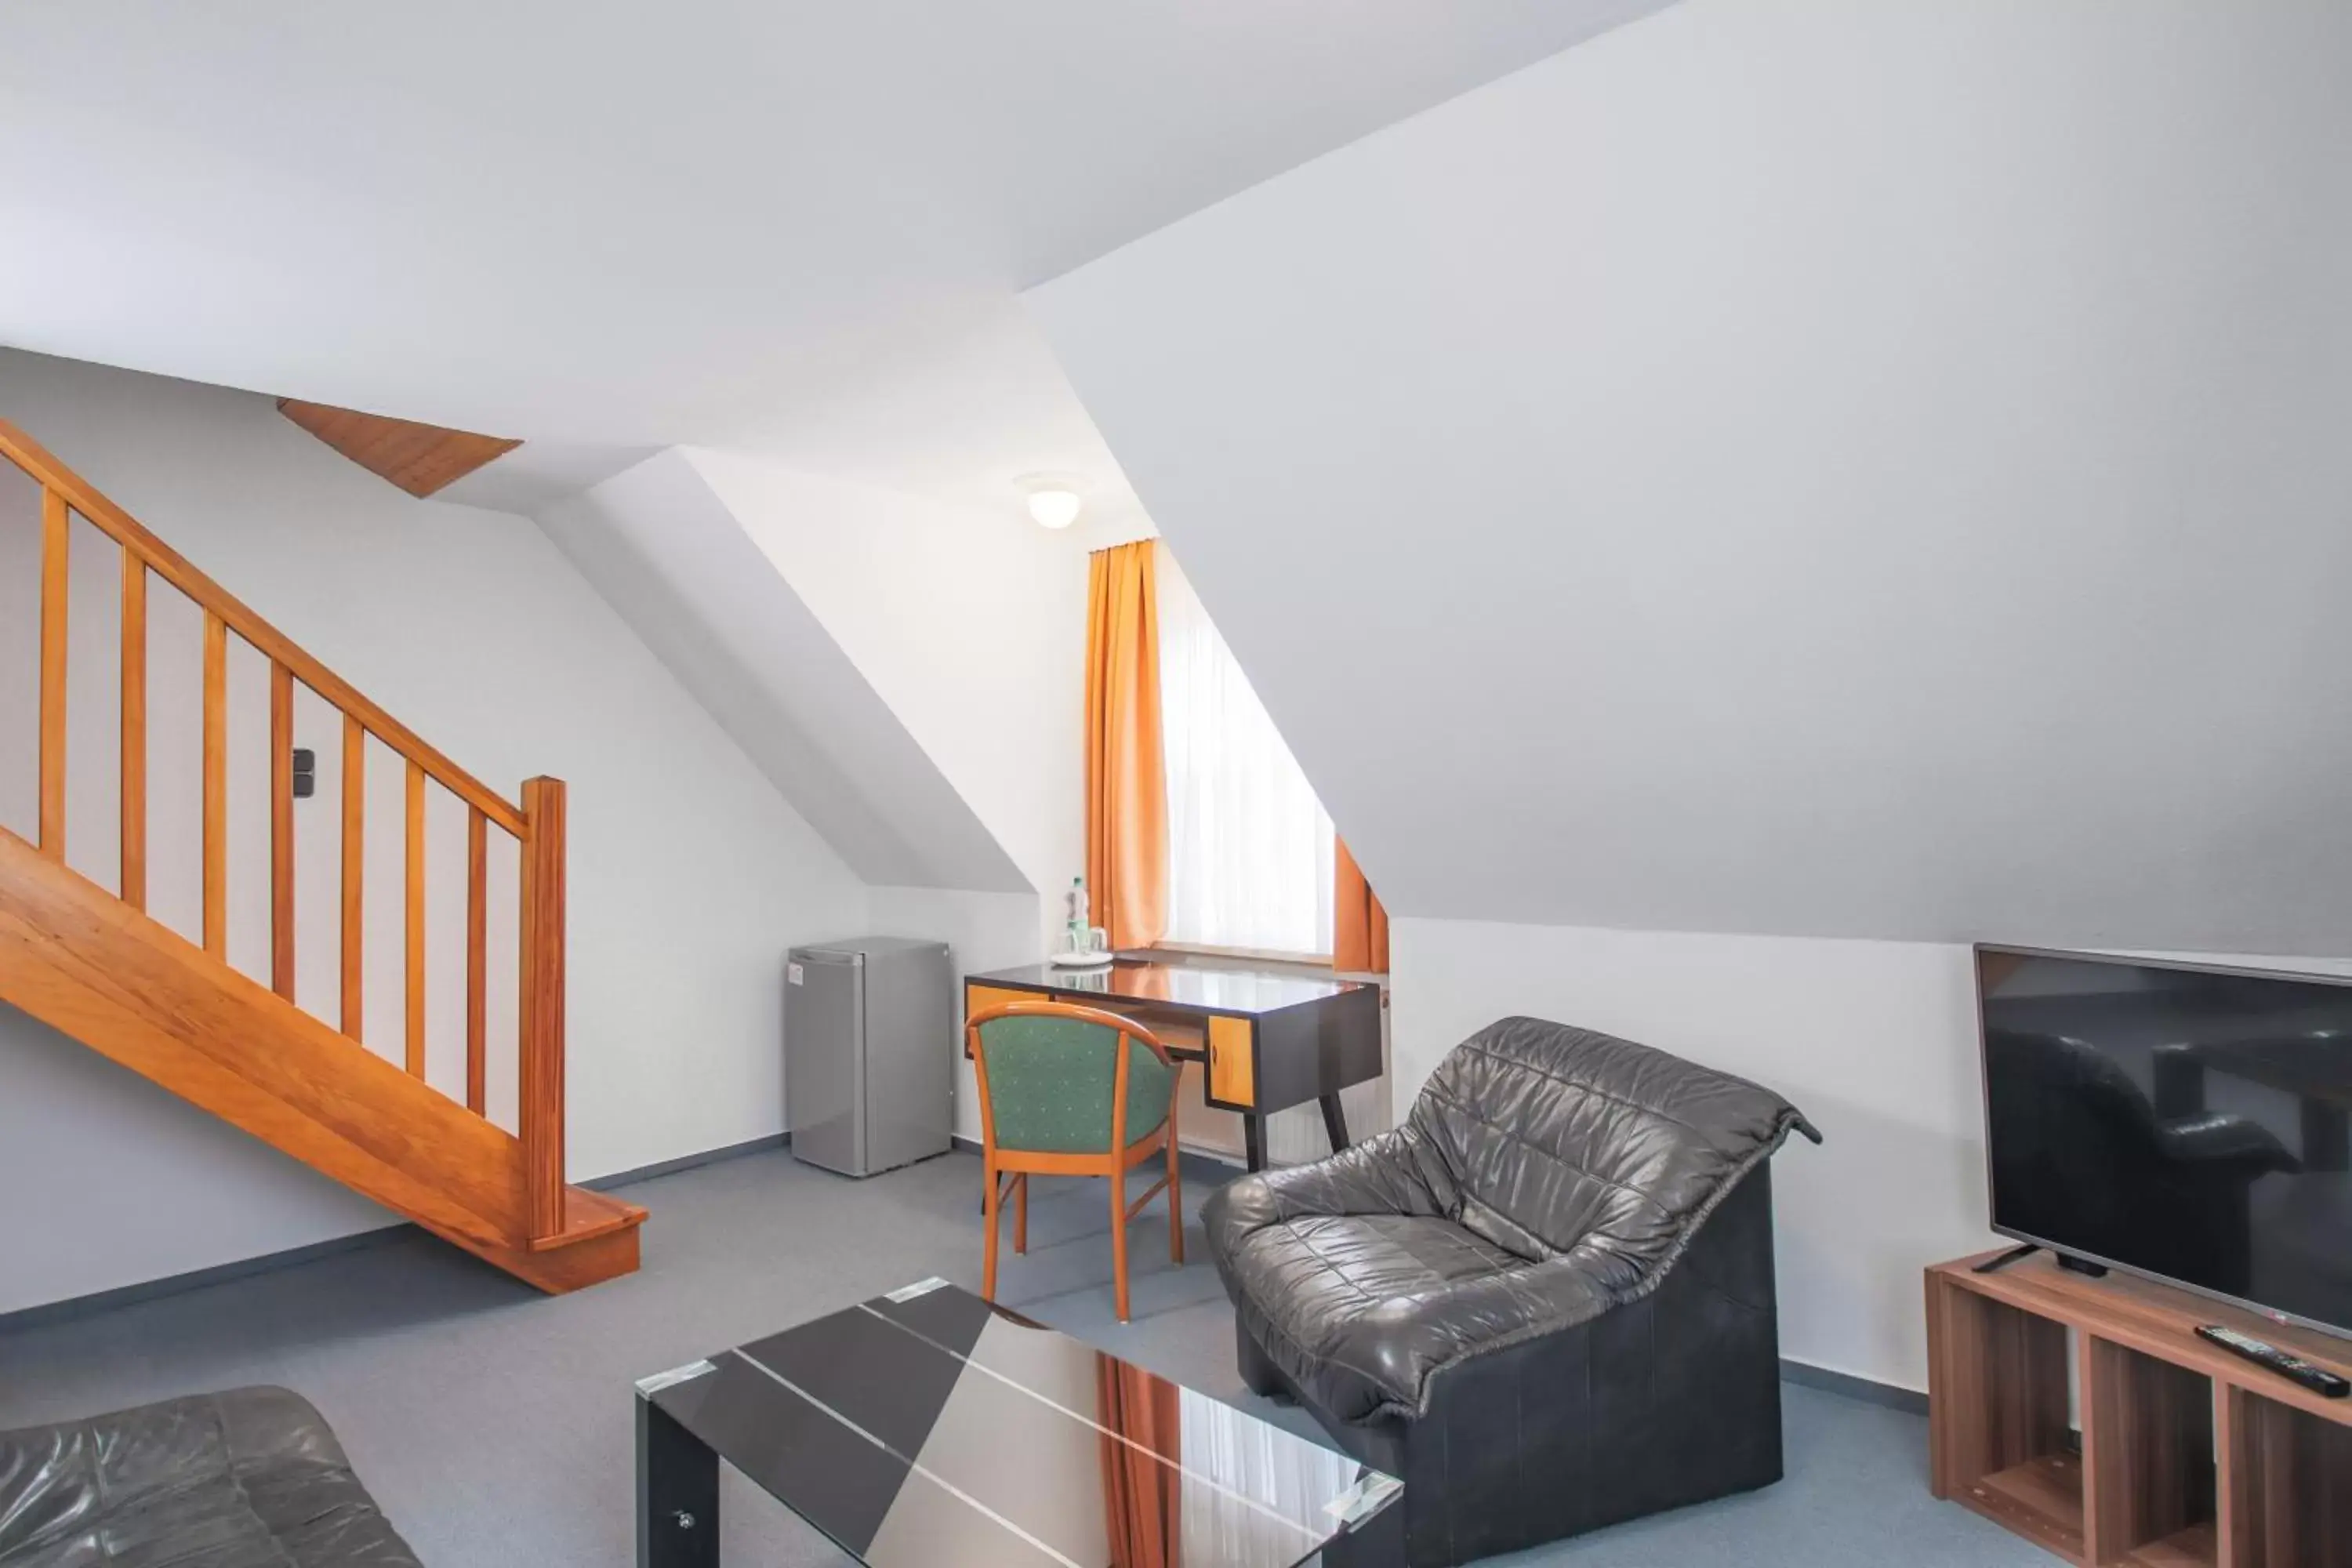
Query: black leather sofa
{"points": [[1545, 1304], [250, 1479]]}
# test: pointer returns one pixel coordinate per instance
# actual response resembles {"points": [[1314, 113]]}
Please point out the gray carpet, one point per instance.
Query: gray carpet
{"points": [[494, 1425]]}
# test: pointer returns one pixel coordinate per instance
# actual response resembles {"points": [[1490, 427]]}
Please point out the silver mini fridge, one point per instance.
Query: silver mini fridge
{"points": [[869, 1053]]}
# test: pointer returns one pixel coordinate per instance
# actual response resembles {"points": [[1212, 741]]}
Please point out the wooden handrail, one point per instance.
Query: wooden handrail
{"points": [[167, 562], [538, 824]]}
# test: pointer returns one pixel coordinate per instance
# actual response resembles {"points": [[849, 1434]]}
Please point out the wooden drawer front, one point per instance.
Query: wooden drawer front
{"points": [[981, 998], [1233, 1068]]}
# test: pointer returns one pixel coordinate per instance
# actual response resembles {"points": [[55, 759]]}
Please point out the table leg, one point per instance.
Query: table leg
{"points": [[1378, 1543], [1253, 1140], [1335, 1122], [678, 1494]]}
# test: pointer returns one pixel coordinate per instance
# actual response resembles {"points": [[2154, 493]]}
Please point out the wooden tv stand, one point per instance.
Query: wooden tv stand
{"points": [[2189, 1457]]}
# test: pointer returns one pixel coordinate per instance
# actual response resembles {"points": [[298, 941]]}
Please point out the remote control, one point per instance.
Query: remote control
{"points": [[2318, 1379]]}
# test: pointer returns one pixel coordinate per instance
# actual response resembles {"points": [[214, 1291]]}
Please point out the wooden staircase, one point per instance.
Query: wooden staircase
{"points": [[92, 962]]}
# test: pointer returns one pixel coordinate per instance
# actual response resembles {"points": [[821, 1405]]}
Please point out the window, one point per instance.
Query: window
{"points": [[1249, 847]]}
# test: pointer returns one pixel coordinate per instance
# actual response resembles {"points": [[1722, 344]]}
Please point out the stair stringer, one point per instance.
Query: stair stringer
{"points": [[94, 968]]}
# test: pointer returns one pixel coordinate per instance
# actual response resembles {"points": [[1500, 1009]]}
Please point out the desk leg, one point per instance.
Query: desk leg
{"points": [[1335, 1122], [678, 1494], [1253, 1140]]}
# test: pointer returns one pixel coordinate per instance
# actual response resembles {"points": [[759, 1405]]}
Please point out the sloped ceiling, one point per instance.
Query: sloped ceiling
{"points": [[971, 627], [1823, 467], [794, 228], [667, 554]]}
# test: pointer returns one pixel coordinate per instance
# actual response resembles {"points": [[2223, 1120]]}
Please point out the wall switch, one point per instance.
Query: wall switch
{"points": [[305, 773]]}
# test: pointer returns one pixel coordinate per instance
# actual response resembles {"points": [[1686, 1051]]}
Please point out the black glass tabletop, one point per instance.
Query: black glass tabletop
{"points": [[1184, 985], [927, 1429]]}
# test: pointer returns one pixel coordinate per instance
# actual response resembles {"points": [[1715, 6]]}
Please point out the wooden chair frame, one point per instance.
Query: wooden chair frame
{"points": [[1007, 1170]]}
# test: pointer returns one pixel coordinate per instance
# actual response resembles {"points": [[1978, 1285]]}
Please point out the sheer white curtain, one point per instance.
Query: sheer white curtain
{"points": [[1249, 848]]}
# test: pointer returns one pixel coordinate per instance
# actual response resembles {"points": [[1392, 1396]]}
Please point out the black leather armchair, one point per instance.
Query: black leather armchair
{"points": [[1546, 1302], [2082, 1158], [250, 1479]]}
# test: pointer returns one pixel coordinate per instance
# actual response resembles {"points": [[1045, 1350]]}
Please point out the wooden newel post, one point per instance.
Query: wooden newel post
{"points": [[543, 1005]]}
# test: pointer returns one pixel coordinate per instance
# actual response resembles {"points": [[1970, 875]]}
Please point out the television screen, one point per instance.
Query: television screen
{"points": [[2183, 1121]]}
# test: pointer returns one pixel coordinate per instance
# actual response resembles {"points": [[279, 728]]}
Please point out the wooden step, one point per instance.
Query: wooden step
{"points": [[588, 1216], [90, 966], [599, 1243]]}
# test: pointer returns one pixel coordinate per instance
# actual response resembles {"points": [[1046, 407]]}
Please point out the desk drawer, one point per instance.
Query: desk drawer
{"points": [[981, 998], [1233, 1061]]}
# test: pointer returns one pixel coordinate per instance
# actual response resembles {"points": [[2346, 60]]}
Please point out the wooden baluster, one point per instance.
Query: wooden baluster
{"points": [[57, 541], [543, 1005], [281, 830], [354, 862], [415, 942], [134, 730], [478, 968], [216, 785]]}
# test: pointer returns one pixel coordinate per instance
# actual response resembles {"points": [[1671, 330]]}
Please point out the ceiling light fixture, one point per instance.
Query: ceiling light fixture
{"points": [[1053, 500]]}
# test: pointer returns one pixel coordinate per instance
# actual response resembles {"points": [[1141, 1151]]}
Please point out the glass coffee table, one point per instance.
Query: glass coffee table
{"points": [[928, 1429]]}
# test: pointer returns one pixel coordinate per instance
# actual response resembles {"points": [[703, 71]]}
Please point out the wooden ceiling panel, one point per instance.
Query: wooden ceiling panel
{"points": [[419, 458]]}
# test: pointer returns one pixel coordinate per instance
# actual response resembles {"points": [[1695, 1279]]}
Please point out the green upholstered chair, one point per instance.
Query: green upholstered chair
{"points": [[1072, 1091]]}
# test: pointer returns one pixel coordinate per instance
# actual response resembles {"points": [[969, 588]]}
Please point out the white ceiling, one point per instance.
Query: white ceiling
{"points": [[1813, 467], [793, 228]]}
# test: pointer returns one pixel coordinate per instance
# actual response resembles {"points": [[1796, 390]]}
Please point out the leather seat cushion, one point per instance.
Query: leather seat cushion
{"points": [[1344, 1293], [250, 1479]]}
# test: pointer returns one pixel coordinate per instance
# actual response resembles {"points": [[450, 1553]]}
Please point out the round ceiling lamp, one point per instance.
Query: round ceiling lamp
{"points": [[1053, 500]]}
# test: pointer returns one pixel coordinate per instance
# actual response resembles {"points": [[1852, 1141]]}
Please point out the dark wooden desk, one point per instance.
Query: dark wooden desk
{"points": [[1267, 1039]]}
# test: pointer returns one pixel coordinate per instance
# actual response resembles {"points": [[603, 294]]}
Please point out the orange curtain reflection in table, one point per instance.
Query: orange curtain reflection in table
{"points": [[1142, 1493]]}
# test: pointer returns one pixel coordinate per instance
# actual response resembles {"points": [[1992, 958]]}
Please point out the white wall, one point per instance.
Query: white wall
{"points": [[688, 875], [1819, 467], [1873, 1041], [970, 624], [1843, 471], [912, 672], [983, 931], [673, 560]]}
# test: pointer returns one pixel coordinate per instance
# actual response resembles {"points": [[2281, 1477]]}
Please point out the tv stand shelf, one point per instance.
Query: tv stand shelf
{"points": [[2187, 1457]]}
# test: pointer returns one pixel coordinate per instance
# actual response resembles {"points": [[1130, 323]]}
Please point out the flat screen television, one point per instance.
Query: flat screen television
{"points": [[2185, 1122]]}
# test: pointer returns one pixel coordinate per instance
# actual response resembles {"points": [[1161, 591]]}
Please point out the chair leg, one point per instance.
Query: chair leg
{"points": [[988, 1219], [1020, 1213], [1118, 1236], [1175, 1207]]}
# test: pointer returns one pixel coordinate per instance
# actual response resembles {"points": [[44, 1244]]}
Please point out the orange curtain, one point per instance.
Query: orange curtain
{"points": [[1359, 927], [1142, 1495], [1127, 786]]}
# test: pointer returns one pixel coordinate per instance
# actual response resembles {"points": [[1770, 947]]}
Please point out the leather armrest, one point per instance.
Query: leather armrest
{"points": [[2220, 1138], [1382, 1174]]}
